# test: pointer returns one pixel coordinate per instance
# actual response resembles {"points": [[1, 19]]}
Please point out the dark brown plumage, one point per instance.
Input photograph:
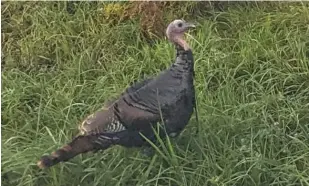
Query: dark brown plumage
{"points": [[168, 96]]}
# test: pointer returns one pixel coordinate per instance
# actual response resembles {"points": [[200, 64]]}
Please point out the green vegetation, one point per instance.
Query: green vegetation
{"points": [[252, 82]]}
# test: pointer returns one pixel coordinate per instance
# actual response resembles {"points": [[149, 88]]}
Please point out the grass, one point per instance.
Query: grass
{"points": [[252, 83]]}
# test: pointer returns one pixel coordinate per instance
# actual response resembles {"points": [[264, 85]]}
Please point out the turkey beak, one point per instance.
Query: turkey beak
{"points": [[190, 25]]}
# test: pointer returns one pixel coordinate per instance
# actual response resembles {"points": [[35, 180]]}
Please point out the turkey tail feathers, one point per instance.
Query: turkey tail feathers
{"points": [[80, 144]]}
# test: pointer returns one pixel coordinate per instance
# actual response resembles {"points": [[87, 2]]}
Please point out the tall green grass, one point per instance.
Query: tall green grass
{"points": [[252, 83]]}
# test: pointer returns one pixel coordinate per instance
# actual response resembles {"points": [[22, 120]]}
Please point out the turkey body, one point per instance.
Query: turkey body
{"points": [[168, 97]]}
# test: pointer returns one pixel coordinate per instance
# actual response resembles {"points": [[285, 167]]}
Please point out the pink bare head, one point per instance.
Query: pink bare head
{"points": [[176, 30]]}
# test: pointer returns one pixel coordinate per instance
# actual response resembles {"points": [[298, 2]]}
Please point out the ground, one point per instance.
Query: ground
{"points": [[252, 84]]}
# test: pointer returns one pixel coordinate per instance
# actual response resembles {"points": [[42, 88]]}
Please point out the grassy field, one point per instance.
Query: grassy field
{"points": [[252, 83]]}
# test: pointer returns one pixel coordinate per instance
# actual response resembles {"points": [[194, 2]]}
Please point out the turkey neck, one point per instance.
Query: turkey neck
{"points": [[184, 64]]}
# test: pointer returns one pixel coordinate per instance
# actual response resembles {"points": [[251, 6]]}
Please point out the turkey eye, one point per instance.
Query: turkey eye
{"points": [[179, 24]]}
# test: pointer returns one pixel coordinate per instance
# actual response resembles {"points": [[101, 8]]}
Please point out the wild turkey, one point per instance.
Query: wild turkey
{"points": [[168, 97]]}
